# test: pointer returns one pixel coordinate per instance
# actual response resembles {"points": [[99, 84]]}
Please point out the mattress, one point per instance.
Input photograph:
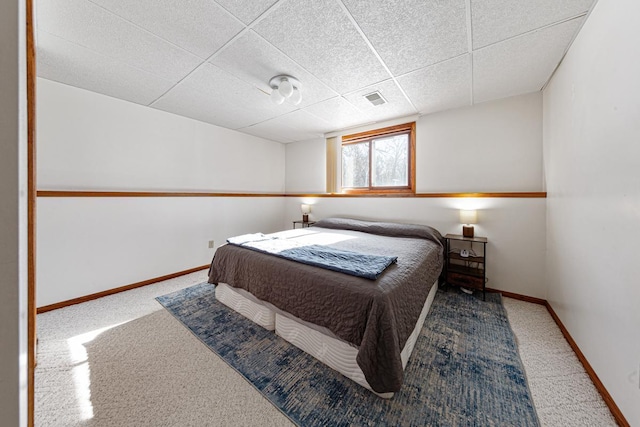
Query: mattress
{"points": [[327, 348]]}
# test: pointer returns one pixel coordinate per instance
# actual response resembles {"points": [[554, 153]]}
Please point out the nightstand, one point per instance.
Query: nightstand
{"points": [[303, 223], [469, 271]]}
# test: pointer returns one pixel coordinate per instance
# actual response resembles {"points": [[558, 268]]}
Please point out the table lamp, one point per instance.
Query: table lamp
{"points": [[468, 217], [305, 212]]}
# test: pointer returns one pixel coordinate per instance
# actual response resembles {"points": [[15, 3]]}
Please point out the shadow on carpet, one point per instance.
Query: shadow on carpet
{"points": [[465, 369]]}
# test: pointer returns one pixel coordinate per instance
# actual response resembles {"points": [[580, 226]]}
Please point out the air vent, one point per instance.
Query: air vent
{"points": [[376, 98]]}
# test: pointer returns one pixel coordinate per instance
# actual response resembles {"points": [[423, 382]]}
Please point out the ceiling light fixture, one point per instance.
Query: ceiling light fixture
{"points": [[285, 87]]}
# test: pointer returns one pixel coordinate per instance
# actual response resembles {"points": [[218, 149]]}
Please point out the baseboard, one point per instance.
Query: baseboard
{"points": [[520, 297], [611, 404], [97, 295], [615, 411]]}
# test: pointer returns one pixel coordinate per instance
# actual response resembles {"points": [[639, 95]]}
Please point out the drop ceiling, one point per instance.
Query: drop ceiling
{"points": [[212, 60]]}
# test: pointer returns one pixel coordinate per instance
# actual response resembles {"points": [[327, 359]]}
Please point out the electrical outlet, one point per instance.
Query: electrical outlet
{"points": [[210, 244]]}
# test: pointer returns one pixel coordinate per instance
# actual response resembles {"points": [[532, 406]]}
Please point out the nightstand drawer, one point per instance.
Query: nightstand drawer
{"points": [[464, 280]]}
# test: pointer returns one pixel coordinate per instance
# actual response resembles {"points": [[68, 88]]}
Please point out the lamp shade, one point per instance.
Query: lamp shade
{"points": [[468, 217], [276, 97], [285, 88], [296, 96], [305, 209]]}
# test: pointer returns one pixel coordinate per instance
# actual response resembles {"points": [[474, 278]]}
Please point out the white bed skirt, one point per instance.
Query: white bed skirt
{"points": [[333, 352], [253, 311]]}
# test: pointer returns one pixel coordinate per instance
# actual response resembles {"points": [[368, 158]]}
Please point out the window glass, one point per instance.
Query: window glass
{"points": [[390, 165], [380, 160]]}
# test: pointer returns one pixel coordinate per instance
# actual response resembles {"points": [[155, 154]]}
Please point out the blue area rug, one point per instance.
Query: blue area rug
{"points": [[465, 369]]}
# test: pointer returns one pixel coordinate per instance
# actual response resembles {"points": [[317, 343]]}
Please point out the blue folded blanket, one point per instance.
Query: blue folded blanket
{"points": [[354, 263], [348, 262]]}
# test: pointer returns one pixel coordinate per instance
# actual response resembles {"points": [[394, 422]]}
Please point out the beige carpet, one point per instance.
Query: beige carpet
{"points": [[562, 391], [124, 361]]}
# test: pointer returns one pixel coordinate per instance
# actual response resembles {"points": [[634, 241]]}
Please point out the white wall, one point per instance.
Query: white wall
{"points": [[494, 146], [13, 189], [592, 164], [93, 142], [491, 147], [88, 245], [306, 166]]}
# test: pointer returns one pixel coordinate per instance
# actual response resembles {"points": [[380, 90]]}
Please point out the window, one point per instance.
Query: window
{"points": [[380, 161]]}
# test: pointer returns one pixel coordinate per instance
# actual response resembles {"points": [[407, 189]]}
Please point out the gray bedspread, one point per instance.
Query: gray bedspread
{"points": [[376, 316]]}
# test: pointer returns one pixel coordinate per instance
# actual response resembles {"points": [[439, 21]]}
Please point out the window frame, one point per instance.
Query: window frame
{"points": [[369, 136]]}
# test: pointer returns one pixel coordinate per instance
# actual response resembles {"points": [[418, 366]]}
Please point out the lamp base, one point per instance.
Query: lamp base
{"points": [[467, 231], [305, 218]]}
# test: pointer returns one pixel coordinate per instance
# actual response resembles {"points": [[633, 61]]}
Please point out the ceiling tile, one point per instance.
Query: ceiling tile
{"points": [[91, 26], [522, 64], [138, 51], [199, 26], [396, 106], [246, 10], [339, 112], [496, 20], [295, 126], [319, 36], [254, 60], [212, 95], [413, 34], [68, 63], [441, 86]]}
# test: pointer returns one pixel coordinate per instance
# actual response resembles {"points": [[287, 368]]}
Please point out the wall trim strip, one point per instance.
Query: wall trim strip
{"points": [[74, 193], [97, 295], [611, 404], [32, 339], [507, 194]]}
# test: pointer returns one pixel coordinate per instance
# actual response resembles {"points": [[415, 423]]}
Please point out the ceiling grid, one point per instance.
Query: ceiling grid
{"points": [[470, 46], [212, 61], [223, 47], [368, 42]]}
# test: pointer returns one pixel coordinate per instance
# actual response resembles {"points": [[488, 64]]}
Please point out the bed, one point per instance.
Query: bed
{"points": [[365, 329]]}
